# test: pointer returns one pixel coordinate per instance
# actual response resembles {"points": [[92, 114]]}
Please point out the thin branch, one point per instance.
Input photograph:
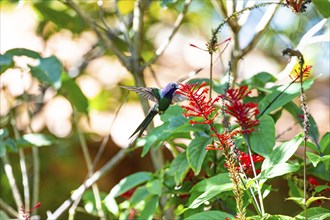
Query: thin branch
{"points": [[25, 179], [123, 27], [7, 208], [9, 173], [138, 24], [108, 43], [89, 163], [91, 180], [260, 30], [176, 27]]}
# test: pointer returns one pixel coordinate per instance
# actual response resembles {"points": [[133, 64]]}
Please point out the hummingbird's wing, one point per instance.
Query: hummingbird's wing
{"points": [[178, 98], [147, 92]]}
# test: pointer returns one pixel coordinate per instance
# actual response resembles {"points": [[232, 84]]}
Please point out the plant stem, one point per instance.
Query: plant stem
{"points": [[89, 163], [7, 208], [9, 173], [211, 74], [25, 180], [89, 181], [255, 175]]}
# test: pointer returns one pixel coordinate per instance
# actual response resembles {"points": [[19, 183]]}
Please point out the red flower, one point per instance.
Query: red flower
{"points": [[313, 181], [128, 194], [244, 113], [26, 213], [245, 161], [198, 105], [298, 6]]}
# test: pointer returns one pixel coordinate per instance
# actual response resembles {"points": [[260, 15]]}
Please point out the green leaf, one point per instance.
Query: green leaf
{"points": [[285, 97], [139, 195], [71, 91], [48, 71], [209, 188], [63, 19], [111, 204], [323, 6], [172, 111], [35, 139], [196, 152], [23, 52], [315, 213], [313, 199], [154, 186], [130, 182], [262, 139], [282, 153], [296, 111], [260, 79], [210, 215], [325, 143], [149, 209], [6, 62], [278, 170], [179, 168], [165, 3], [315, 159]]}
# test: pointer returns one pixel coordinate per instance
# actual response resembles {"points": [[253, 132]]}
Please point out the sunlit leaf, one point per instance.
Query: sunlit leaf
{"points": [[130, 182], [278, 170], [35, 139], [210, 215], [209, 188], [315, 213], [285, 97], [282, 153], [315, 159], [262, 139], [196, 152]]}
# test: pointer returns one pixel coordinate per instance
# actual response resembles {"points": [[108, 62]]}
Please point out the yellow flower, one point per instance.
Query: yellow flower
{"points": [[295, 73]]}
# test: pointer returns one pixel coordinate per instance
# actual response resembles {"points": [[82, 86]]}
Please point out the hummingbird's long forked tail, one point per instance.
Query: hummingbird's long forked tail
{"points": [[151, 114]]}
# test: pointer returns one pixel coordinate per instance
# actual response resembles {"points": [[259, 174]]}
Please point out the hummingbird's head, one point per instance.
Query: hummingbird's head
{"points": [[169, 90]]}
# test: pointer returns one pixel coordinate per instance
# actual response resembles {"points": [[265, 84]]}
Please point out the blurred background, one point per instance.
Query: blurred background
{"points": [[54, 28]]}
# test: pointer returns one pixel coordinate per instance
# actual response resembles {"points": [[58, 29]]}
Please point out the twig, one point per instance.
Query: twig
{"points": [[25, 180], [7, 208], [92, 179], [255, 175], [123, 26], [176, 27], [89, 163], [260, 30], [9, 173], [108, 43]]}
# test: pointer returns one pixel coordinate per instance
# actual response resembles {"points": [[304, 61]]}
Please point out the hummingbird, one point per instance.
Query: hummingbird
{"points": [[163, 98]]}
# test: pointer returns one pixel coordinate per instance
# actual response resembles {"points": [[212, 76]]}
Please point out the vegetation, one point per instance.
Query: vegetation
{"points": [[226, 153]]}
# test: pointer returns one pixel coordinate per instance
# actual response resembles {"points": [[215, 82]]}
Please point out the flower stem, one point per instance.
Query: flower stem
{"points": [[255, 175]]}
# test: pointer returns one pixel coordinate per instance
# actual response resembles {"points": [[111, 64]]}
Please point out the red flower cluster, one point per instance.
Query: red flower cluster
{"points": [[244, 113], [198, 105], [246, 162]]}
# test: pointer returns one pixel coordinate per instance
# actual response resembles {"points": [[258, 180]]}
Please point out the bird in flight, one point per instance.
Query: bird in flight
{"points": [[163, 98]]}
